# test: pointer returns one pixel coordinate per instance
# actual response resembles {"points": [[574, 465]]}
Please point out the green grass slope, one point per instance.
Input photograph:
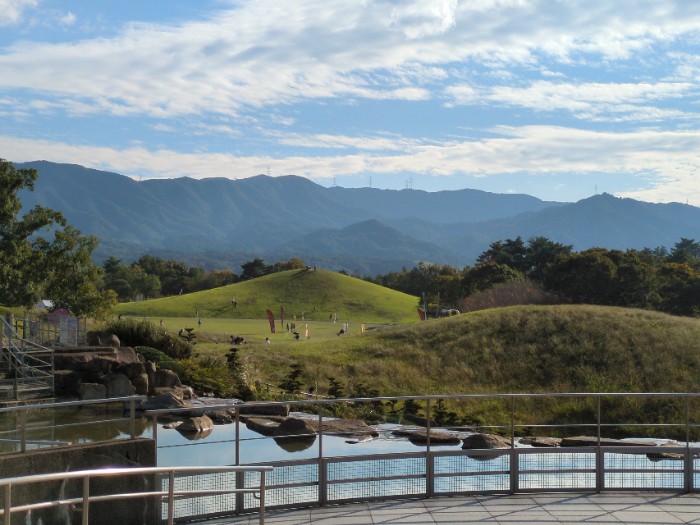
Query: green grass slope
{"points": [[317, 294], [517, 349]]}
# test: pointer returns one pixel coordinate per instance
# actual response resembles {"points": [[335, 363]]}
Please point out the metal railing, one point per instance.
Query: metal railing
{"points": [[28, 365], [323, 478], [325, 469], [167, 496], [18, 436]]}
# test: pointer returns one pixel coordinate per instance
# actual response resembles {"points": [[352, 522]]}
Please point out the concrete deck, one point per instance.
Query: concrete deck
{"points": [[607, 508]]}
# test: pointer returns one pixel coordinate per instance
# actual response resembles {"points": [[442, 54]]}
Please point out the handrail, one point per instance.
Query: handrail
{"points": [[169, 496], [22, 409]]}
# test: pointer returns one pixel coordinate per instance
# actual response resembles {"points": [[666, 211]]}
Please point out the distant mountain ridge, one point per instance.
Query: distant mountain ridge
{"points": [[220, 222]]}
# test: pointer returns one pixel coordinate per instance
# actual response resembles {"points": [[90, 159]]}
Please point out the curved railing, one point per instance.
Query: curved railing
{"points": [[164, 493], [325, 472], [317, 466]]}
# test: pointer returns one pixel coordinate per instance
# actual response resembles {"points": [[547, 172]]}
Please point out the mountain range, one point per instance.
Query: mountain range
{"points": [[220, 222]]}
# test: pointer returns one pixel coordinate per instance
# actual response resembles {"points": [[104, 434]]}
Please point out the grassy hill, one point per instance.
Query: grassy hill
{"points": [[542, 349], [517, 349], [317, 294]]}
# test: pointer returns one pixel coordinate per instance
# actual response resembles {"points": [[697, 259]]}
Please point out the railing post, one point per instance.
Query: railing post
{"points": [[429, 473], [155, 434], [132, 418], [688, 463], [171, 497], [86, 500], [23, 430], [599, 457], [240, 476], [262, 498], [322, 467], [7, 516], [514, 467]]}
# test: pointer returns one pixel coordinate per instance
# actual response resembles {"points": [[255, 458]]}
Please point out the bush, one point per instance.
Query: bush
{"points": [[511, 293], [143, 333]]}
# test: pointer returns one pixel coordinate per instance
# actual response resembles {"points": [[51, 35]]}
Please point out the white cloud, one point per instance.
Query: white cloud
{"points": [[68, 19], [588, 100], [265, 53], [11, 11], [663, 156]]}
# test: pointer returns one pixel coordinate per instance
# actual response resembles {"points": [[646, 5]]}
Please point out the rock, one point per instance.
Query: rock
{"points": [[540, 441], [168, 399], [294, 426], [265, 409], [592, 441], [100, 366], [222, 416], [118, 385], [437, 437], [485, 441], [196, 424], [140, 384], [263, 425], [66, 382], [101, 338], [165, 378], [197, 427], [346, 427], [127, 355], [92, 391], [188, 392], [131, 370]]}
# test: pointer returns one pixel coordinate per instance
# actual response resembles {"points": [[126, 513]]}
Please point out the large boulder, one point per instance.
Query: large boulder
{"points": [[485, 441], [437, 437], [267, 426], [294, 426], [118, 385], [92, 391], [140, 383], [197, 424], [164, 378], [169, 399], [101, 338], [66, 382], [131, 370], [346, 427], [126, 355], [99, 366], [592, 441]]}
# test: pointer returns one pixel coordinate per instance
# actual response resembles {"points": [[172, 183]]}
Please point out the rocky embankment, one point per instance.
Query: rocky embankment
{"points": [[106, 369]]}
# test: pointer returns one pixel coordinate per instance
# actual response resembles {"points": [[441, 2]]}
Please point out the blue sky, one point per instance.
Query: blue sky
{"points": [[557, 99]]}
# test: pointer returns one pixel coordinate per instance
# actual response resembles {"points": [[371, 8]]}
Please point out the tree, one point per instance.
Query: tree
{"points": [[32, 265], [686, 251], [485, 276], [254, 268]]}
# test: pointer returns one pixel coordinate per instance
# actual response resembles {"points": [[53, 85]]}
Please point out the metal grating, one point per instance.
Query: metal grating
{"points": [[637, 471], [286, 485], [205, 505], [367, 478], [557, 471], [461, 473]]}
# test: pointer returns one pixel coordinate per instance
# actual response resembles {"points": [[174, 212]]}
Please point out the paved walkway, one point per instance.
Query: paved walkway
{"points": [[608, 508]]}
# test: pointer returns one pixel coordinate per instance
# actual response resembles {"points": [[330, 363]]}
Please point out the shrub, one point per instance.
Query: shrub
{"points": [[143, 333], [511, 293]]}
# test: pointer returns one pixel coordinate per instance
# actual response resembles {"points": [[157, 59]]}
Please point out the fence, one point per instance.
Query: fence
{"points": [[326, 469], [26, 368], [603, 465], [165, 492], [55, 429]]}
